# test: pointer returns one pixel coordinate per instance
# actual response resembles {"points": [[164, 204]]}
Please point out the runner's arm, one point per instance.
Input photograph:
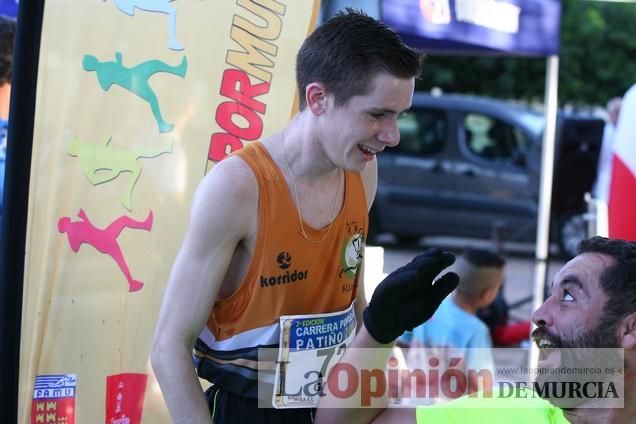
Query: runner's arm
{"points": [[370, 182], [223, 204], [365, 352], [361, 299]]}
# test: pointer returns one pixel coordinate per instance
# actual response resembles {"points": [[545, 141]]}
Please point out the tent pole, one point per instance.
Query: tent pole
{"points": [[545, 193]]}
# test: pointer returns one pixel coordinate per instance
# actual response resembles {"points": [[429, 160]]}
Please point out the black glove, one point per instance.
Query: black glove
{"points": [[407, 297]]}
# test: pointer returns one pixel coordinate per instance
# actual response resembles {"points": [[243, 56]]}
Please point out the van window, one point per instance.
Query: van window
{"points": [[422, 131], [495, 140]]}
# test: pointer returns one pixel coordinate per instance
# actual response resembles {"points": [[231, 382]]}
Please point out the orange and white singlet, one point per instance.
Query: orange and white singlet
{"points": [[288, 275]]}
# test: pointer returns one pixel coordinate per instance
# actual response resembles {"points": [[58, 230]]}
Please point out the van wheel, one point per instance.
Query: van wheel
{"points": [[572, 230]]}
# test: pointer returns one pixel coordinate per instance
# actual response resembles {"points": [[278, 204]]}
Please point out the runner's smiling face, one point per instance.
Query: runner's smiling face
{"points": [[365, 125], [572, 316]]}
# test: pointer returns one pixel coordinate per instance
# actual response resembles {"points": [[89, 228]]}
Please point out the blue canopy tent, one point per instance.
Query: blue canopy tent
{"points": [[487, 27], [477, 27], [9, 8]]}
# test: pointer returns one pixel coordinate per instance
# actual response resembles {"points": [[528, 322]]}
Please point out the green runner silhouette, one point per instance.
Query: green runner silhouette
{"points": [[134, 79], [102, 163]]}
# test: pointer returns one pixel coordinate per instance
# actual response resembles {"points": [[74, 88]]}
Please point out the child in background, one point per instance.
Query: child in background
{"points": [[504, 331]]}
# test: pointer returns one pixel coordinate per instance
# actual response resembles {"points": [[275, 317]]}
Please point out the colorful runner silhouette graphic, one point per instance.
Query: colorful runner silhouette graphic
{"points": [[135, 79], [102, 163], [160, 6], [104, 240]]}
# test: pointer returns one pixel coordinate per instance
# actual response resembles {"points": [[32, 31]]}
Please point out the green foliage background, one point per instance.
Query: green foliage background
{"points": [[597, 61]]}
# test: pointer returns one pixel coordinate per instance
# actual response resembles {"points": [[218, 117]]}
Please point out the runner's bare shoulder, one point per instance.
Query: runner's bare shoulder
{"points": [[228, 193]]}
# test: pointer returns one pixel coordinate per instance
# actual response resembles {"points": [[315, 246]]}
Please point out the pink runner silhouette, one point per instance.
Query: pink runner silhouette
{"points": [[104, 240]]}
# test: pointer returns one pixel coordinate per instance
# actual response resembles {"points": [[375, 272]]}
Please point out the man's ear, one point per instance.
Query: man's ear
{"points": [[627, 332], [316, 98]]}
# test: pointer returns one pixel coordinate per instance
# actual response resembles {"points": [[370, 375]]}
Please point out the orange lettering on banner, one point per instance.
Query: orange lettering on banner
{"points": [[241, 118]]}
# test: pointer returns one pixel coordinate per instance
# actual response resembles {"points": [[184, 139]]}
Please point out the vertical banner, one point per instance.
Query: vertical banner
{"points": [[136, 101]]}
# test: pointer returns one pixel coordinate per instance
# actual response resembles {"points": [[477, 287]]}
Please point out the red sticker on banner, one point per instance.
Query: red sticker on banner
{"points": [[125, 398], [54, 399]]}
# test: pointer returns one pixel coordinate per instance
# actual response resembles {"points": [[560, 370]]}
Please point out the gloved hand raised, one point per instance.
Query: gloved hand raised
{"points": [[407, 297]]}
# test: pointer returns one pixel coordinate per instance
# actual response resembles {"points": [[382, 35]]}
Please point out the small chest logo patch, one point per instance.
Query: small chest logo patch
{"points": [[351, 255]]}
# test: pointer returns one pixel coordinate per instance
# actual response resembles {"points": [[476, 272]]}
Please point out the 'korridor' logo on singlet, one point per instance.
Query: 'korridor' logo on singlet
{"points": [[284, 261]]}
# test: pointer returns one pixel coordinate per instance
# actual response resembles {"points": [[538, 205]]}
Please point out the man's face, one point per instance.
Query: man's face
{"points": [[366, 124], [572, 316], [574, 333]]}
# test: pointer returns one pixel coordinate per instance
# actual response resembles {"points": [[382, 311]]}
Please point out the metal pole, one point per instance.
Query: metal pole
{"points": [[16, 196], [545, 193]]}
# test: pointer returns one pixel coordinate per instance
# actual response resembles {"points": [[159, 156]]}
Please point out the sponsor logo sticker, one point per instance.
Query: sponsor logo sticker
{"points": [[54, 399], [125, 398]]}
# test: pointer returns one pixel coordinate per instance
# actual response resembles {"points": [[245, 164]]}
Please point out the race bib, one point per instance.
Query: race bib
{"points": [[309, 346]]}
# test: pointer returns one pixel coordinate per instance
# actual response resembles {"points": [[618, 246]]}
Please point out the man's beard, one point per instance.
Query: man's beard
{"points": [[593, 349], [603, 336]]}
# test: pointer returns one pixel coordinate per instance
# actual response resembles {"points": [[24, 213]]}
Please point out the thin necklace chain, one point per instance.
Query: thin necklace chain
{"points": [[300, 216]]}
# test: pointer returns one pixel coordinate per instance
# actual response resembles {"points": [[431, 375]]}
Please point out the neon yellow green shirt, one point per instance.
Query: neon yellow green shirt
{"points": [[525, 408]]}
